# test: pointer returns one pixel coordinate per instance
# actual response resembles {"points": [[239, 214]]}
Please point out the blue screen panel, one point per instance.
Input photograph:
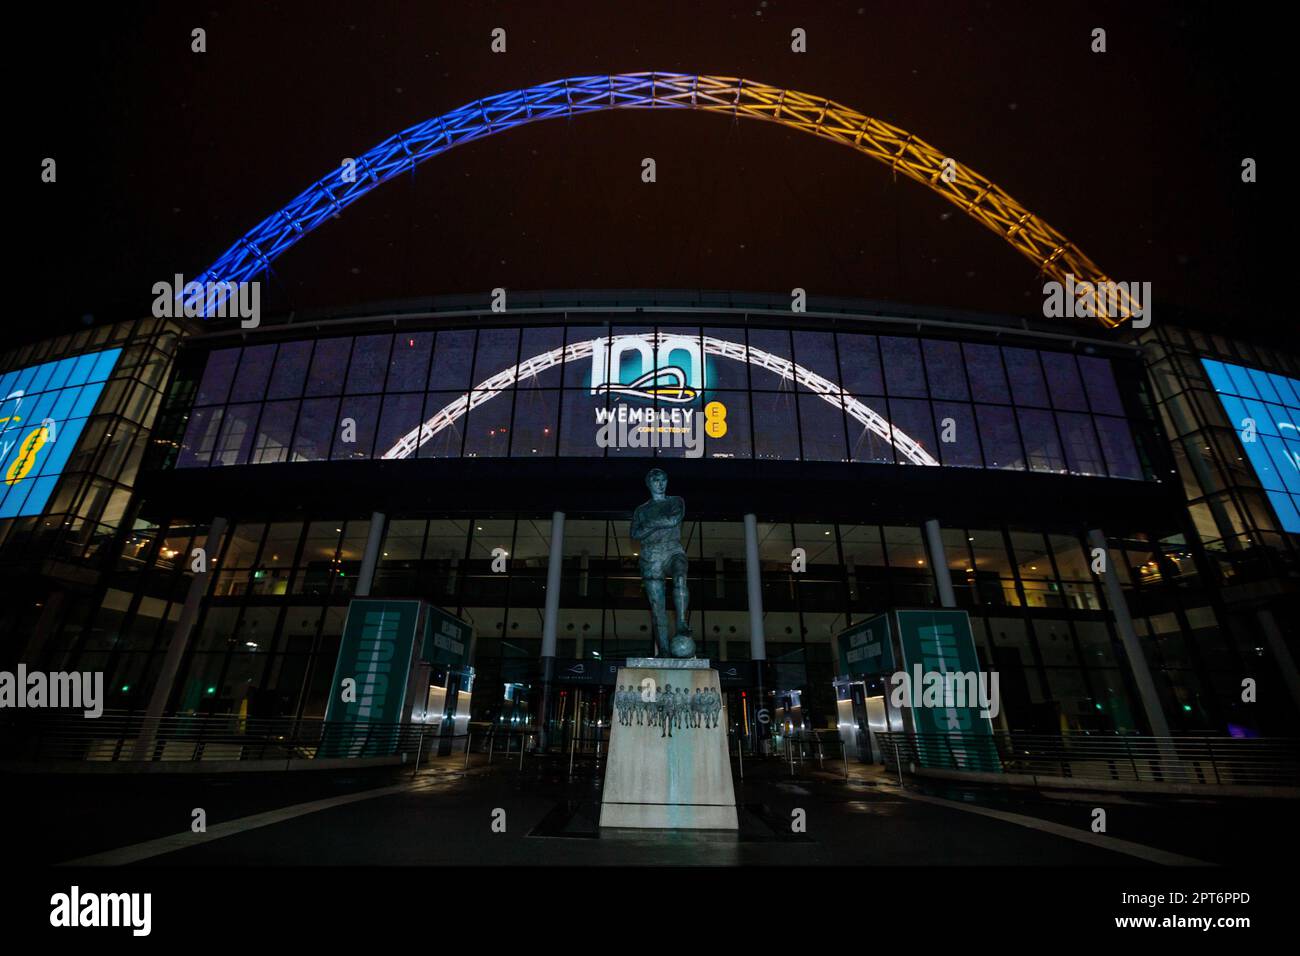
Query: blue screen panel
{"points": [[43, 409], [1264, 409]]}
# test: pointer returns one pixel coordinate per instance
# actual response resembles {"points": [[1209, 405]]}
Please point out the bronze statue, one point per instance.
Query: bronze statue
{"points": [[657, 524]]}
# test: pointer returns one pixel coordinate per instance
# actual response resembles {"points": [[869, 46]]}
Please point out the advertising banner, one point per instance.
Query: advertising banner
{"points": [[945, 691], [865, 648], [371, 677]]}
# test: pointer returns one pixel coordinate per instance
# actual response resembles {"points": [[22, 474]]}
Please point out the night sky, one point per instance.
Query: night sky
{"points": [[165, 156]]}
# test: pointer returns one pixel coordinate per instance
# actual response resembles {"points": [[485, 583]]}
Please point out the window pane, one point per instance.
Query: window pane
{"points": [[254, 373], [217, 376], [487, 433], [904, 374], [536, 345], [444, 413], [999, 437], [290, 371], [578, 423], [988, 383], [865, 442], [536, 413], [1099, 383], [776, 429], [945, 370], [815, 351], [822, 426], [315, 429], [722, 372], [1063, 382], [236, 435], [369, 364], [1117, 445], [957, 422], [914, 418], [400, 417], [577, 372], [452, 355], [274, 433], [1026, 376], [200, 437], [498, 350], [1081, 451], [329, 363], [1041, 443], [358, 416], [408, 366], [860, 365]]}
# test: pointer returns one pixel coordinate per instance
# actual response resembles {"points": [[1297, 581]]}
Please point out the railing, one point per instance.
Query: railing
{"points": [[1228, 761], [115, 736]]}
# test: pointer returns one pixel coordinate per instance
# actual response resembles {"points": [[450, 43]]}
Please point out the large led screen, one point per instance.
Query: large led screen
{"points": [[663, 391], [43, 411], [1264, 408]]}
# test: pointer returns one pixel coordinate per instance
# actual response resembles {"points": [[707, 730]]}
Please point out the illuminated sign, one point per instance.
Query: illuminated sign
{"points": [[1264, 409], [43, 409]]}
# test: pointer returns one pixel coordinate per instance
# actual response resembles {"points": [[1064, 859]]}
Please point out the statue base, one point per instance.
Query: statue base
{"points": [[668, 767]]}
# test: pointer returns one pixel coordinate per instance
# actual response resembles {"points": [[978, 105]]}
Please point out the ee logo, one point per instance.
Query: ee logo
{"points": [[32, 444], [715, 419]]}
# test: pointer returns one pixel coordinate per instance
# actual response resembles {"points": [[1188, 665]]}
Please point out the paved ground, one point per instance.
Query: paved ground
{"points": [[445, 816]]}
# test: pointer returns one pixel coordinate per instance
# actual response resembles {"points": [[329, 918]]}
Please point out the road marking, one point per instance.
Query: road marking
{"points": [[1141, 851], [182, 841]]}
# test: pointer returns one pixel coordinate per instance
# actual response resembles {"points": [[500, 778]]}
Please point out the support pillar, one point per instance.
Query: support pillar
{"points": [[1128, 638], [551, 621], [939, 564], [370, 559], [757, 637], [180, 642]]}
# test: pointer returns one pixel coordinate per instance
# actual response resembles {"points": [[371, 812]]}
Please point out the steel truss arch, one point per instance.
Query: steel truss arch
{"points": [[986, 203], [823, 388]]}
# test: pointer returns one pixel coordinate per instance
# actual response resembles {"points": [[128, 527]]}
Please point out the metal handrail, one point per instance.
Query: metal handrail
{"points": [[1200, 759], [114, 736]]}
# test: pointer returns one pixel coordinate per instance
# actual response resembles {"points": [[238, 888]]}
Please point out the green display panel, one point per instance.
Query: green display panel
{"points": [[865, 648], [941, 642], [446, 639], [376, 650]]}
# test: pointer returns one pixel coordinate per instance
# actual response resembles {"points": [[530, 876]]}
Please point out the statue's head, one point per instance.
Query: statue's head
{"points": [[656, 479]]}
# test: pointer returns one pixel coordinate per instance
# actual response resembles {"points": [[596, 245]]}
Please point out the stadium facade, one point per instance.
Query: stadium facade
{"points": [[837, 463]]}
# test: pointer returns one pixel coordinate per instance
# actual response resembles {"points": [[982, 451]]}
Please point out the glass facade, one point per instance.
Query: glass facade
{"points": [[67, 501], [767, 394], [269, 629]]}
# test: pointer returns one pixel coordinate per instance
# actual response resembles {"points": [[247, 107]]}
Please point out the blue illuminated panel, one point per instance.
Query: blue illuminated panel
{"points": [[43, 409], [1272, 403]]}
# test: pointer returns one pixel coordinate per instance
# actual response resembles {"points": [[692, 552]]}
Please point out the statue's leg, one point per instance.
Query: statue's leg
{"points": [[654, 589], [681, 591]]}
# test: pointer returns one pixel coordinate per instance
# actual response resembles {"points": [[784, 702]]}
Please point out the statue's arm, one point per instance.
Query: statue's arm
{"points": [[638, 526]]}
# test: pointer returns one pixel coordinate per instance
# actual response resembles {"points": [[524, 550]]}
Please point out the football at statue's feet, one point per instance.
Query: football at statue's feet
{"points": [[683, 645]]}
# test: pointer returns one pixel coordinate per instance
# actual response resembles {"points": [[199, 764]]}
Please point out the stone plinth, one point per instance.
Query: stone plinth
{"points": [[664, 771]]}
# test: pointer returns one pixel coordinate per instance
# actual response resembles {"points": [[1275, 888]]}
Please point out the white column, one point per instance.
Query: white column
{"points": [[554, 565], [370, 559], [1137, 661], [180, 641], [754, 585], [939, 564]]}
